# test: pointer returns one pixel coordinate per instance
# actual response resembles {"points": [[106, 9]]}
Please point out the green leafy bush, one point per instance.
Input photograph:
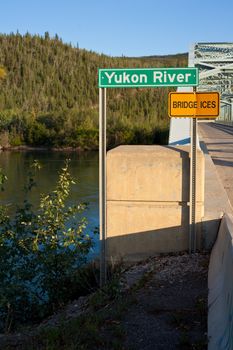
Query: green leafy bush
{"points": [[41, 252]]}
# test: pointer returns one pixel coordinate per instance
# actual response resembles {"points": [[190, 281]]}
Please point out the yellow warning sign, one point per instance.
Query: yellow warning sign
{"points": [[193, 104]]}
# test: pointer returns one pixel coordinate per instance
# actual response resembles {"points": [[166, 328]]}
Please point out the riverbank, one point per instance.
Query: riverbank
{"points": [[42, 148], [160, 303]]}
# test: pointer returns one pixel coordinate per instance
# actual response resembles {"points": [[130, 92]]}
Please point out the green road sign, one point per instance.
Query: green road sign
{"points": [[147, 77]]}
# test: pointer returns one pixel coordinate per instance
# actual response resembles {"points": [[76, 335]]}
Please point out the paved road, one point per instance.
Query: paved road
{"points": [[219, 142]]}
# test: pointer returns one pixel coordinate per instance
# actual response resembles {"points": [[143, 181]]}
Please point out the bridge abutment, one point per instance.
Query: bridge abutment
{"points": [[148, 201]]}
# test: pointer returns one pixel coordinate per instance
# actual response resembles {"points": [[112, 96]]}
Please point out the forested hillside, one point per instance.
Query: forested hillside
{"points": [[49, 96]]}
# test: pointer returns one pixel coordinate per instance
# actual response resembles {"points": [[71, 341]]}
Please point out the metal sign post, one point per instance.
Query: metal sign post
{"points": [[129, 78], [193, 104], [192, 195], [102, 184]]}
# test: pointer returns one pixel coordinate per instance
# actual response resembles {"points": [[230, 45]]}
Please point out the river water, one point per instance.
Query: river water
{"points": [[83, 168]]}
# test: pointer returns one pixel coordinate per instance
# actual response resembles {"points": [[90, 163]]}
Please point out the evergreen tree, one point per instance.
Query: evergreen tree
{"points": [[49, 95]]}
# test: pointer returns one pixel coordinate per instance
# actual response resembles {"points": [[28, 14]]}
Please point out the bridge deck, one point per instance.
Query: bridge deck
{"points": [[219, 142]]}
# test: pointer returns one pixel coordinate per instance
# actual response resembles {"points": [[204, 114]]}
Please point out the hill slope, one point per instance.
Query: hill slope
{"points": [[49, 96]]}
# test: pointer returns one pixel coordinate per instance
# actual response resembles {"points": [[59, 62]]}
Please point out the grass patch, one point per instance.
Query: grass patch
{"points": [[100, 328]]}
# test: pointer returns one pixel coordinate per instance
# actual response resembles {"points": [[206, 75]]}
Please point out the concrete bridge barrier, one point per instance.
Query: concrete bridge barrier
{"points": [[147, 200], [220, 283]]}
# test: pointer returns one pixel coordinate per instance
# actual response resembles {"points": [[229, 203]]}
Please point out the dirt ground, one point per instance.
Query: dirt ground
{"points": [[171, 308]]}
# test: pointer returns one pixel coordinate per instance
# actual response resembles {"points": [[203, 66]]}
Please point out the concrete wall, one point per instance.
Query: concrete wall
{"points": [[147, 200], [220, 284]]}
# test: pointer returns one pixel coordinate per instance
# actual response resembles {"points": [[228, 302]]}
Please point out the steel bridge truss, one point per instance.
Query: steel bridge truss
{"points": [[215, 63]]}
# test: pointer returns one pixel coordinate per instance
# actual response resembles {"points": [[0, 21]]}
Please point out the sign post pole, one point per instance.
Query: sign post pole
{"points": [[194, 105], [128, 78], [192, 199], [102, 184]]}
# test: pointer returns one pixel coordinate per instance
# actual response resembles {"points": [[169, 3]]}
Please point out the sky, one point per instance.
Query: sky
{"points": [[123, 27]]}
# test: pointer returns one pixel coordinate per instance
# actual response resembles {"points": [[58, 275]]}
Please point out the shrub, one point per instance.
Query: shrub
{"points": [[40, 252]]}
